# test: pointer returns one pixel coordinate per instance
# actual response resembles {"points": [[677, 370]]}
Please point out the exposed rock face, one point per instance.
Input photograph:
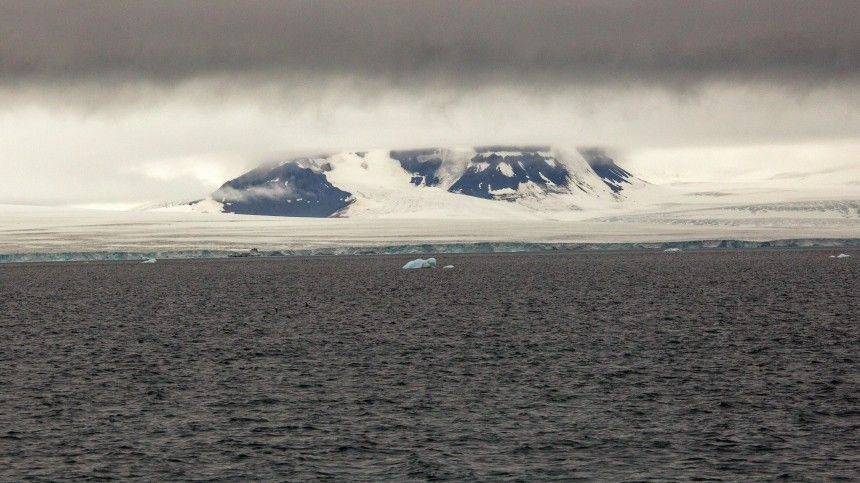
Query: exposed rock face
{"points": [[301, 187], [422, 164], [613, 175], [289, 189], [495, 174]]}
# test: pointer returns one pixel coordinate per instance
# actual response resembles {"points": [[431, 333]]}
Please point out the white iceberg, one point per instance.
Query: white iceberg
{"points": [[421, 263], [149, 260], [448, 266], [841, 255], [672, 250]]}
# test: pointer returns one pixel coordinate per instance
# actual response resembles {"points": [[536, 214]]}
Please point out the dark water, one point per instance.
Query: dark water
{"points": [[732, 365]]}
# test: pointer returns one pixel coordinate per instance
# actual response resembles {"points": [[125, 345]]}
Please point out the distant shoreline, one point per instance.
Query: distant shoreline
{"points": [[429, 248]]}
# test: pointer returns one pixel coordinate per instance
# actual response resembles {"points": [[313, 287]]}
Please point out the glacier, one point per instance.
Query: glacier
{"points": [[460, 200]]}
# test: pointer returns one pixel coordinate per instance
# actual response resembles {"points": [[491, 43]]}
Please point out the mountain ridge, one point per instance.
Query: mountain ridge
{"points": [[381, 183]]}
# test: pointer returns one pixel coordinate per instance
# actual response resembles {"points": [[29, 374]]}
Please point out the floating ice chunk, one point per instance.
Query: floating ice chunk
{"points": [[448, 266], [672, 250], [421, 263], [841, 255], [149, 260]]}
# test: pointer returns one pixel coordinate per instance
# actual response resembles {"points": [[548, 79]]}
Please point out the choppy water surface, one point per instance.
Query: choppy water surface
{"points": [[628, 365]]}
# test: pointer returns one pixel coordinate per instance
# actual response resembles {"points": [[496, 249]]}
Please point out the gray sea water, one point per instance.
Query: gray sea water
{"points": [[735, 365]]}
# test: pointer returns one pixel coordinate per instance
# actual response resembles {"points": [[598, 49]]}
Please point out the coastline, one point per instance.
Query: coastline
{"points": [[429, 248]]}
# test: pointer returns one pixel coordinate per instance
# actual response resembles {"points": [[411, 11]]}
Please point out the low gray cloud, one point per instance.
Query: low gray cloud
{"points": [[151, 100], [450, 41]]}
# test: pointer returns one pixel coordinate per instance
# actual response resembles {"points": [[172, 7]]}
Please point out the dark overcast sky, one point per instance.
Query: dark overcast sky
{"points": [[152, 99], [456, 40]]}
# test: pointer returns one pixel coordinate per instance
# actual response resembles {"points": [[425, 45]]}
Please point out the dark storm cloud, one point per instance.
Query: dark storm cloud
{"points": [[424, 40]]}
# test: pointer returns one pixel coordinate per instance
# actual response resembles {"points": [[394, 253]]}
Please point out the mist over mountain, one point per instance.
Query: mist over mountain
{"points": [[409, 182]]}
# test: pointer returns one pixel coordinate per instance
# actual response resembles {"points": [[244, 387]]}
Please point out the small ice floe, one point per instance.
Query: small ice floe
{"points": [[149, 260], [421, 263], [841, 255], [672, 250], [448, 267]]}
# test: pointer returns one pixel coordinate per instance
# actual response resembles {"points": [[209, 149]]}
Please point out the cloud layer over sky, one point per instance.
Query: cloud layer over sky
{"points": [[409, 41], [106, 100]]}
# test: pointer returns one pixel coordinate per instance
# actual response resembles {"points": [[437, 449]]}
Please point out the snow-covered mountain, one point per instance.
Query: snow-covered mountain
{"points": [[544, 183], [294, 188], [497, 197], [493, 181]]}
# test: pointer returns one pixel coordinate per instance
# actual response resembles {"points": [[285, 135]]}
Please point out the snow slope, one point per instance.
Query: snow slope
{"points": [[730, 192], [478, 183]]}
